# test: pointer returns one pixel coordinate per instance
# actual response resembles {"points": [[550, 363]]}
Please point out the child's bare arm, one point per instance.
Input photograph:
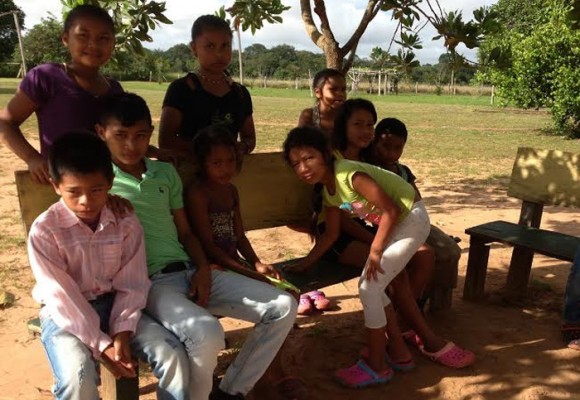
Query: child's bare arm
{"points": [[168, 127], [18, 109], [305, 118], [324, 242], [247, 142], [244, 245], [374, 194], [201, 281]]}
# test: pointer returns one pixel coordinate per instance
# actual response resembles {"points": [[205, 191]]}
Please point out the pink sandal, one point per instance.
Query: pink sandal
{"points": [[321, 303], [396, 365], [451, 356], [304, 305], [361, 375], [574, 344]]}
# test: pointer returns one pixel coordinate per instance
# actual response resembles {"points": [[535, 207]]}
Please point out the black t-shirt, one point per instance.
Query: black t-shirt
{"points": [[200, 108]]}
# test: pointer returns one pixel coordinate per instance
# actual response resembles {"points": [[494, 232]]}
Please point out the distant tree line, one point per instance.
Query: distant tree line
{"points": [[283, 62]]}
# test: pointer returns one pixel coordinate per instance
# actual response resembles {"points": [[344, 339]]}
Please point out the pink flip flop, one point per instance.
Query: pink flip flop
{"points": [[361, 375], [321, 303], [451, 356], [304, 305]]}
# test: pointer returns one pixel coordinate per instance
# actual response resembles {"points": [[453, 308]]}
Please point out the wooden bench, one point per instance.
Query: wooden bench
{"points": [[539, 177], [270, 196]]}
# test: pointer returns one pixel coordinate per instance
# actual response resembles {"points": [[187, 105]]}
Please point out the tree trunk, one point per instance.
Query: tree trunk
{"points": [[324, 37]]}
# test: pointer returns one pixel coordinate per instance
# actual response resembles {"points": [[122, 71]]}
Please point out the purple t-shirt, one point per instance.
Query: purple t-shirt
{"points": [[62, 104]]}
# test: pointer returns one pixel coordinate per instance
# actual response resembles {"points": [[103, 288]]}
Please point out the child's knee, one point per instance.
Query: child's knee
{"points": [[285, 307], [78, 381], [207, 333]]}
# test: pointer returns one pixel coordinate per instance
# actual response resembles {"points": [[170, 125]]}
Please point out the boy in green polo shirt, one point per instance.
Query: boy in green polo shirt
{"points": [[186, 292]]}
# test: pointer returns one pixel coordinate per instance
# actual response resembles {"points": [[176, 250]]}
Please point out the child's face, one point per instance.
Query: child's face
{"points": [[333, 92], [90, 42], [213, 49], [220, 164], [389, 149], [308, 163], [84, 194], [360, 129], [128, 144]]}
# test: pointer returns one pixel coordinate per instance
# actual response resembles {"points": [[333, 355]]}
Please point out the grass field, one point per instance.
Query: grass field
{"points": [[452, 138]]}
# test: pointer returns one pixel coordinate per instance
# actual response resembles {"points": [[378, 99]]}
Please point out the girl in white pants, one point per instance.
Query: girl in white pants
{"points": [[380, 198]]}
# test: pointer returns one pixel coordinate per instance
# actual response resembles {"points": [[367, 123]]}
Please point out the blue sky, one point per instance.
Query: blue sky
{"points": [[344, 16]]}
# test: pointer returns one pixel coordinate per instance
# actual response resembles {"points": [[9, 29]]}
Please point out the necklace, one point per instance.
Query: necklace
{"points": [[206, 78], [86, 84]]}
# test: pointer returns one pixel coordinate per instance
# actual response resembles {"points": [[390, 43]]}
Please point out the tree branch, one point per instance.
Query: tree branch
{"points": [[371, 11], [320, 10], [348, 63], [311, 28]]}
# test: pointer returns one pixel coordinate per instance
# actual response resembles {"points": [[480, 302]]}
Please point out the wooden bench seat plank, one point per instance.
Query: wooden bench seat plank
{"points": [[323, 273], [548, 243]]}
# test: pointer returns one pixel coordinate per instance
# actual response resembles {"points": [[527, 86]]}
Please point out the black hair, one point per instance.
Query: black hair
{"points": [[127, 108], [79, 153], [208, 138], [339, 138], [391, 126], [322, 76], [209, 22], [88, 11], [310, 136]]}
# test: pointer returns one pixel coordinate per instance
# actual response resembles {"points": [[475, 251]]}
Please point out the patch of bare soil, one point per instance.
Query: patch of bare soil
{"points": [[519, 351]]}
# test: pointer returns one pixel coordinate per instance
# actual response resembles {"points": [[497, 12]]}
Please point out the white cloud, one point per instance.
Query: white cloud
{"points": [[344, 16]]}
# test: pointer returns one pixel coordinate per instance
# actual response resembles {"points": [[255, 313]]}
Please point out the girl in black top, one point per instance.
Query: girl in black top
{"points": [[209, 96]]}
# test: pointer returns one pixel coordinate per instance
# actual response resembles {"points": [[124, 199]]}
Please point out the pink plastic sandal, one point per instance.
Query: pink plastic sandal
{"points": [[304, 305], [396, 365], [574, 344], [400, 366], [361, 375], [451, 356], [321, 303]]}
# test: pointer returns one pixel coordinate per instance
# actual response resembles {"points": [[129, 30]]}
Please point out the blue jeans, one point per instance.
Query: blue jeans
{"points": [[232, 295], [75, 370], [572, 295]]}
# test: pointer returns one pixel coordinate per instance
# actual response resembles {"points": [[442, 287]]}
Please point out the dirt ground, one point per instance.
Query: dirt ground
{"points": [[519, 351]]}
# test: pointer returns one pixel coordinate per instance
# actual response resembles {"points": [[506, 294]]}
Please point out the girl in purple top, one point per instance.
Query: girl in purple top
{"points": [[64, 96]]}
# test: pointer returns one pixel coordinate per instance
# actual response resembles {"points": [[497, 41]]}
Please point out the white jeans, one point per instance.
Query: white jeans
{"points": [[232, 295], [406, 239]]}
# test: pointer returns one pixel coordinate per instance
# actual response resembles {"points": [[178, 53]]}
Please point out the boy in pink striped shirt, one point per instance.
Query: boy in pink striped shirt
{"points": [[90, 269]]}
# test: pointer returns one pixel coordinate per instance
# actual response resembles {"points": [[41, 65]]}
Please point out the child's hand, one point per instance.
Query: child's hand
{"points": [[38, 168], [117, 357], [200, 285], [121, 343], [119, 205], [373, 267], [267, 269]]}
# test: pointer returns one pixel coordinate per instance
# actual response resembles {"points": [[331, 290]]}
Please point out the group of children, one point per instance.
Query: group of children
{"points": [[114, 284], [128, 265]]}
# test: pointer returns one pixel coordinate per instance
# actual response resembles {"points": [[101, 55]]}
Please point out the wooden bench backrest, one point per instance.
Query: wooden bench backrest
{"points": [[549, 177], [270, 193]]}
